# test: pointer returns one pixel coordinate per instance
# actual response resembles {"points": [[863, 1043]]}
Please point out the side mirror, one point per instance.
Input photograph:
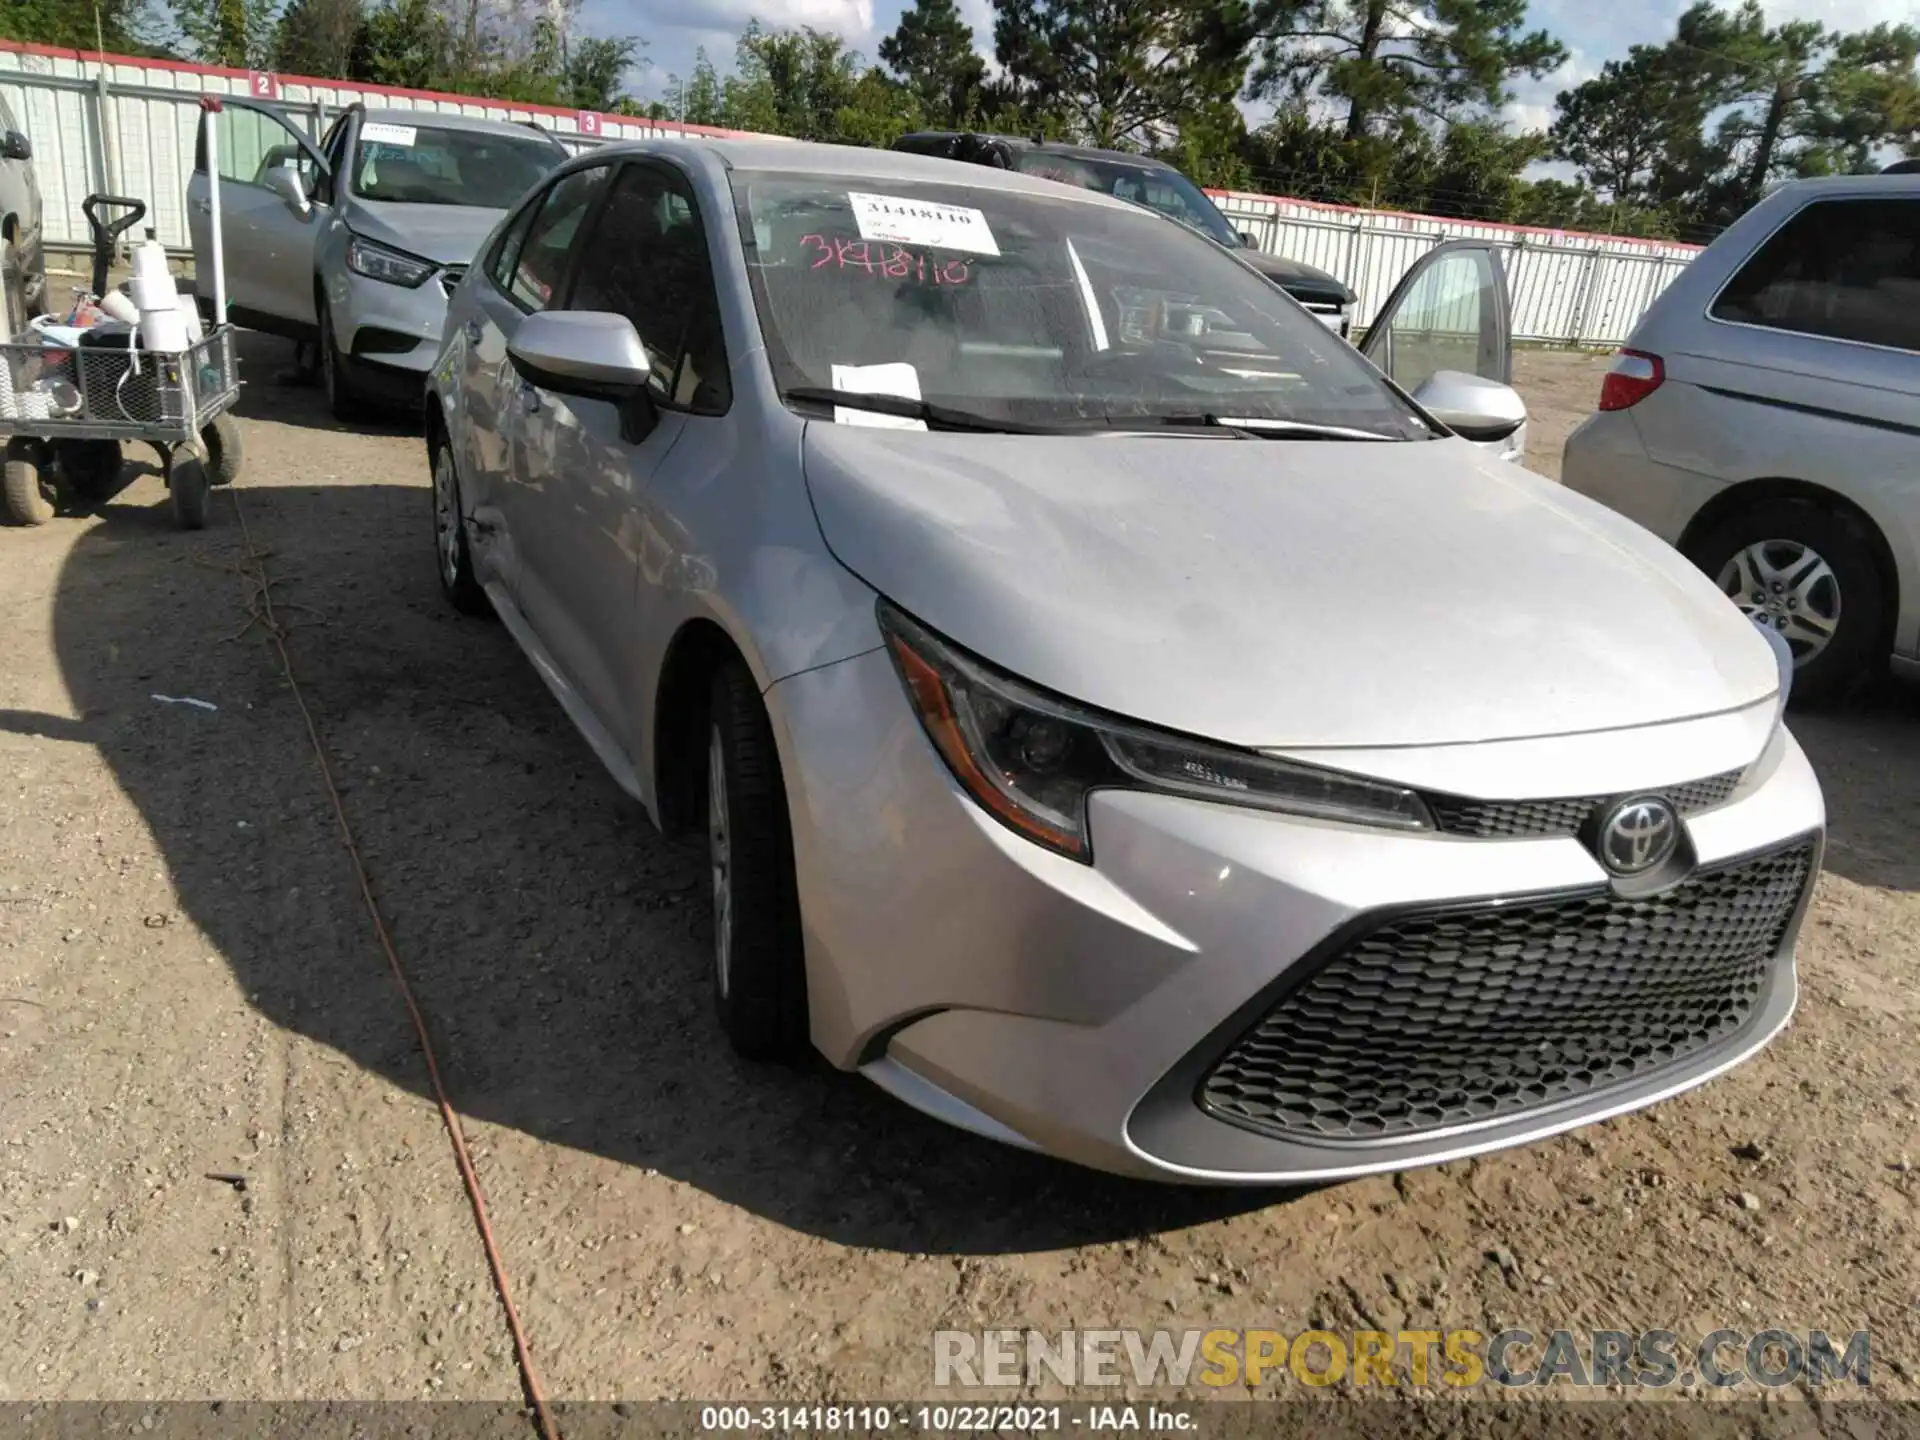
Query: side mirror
{"points": [[16, 147], [1472, 407], [581, 352], [1248, 241], [284, 181]]}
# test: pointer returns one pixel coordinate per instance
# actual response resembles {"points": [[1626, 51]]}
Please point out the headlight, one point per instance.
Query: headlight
{"points": [[377, 262], [1030, 760]]}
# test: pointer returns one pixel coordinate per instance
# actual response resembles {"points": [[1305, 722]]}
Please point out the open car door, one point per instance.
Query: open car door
{"points": [[1445, 336], [275, 190]]}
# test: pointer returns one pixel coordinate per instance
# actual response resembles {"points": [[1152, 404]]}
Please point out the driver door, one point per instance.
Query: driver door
{"points": [[1451, 317], [268, 243]]}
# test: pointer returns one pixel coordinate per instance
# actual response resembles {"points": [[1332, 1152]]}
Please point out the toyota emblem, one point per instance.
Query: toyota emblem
{"points": [[1638, 834]]}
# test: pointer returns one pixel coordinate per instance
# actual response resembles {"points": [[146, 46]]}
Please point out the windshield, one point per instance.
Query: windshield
{"points": [[429, 165], [1167, 191], [1035, 309]]}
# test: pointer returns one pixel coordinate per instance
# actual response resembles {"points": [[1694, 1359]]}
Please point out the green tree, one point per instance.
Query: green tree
{"points": [[700, 98], [1122, 72], [878, 111], [406, 43], [235, 33], [122, 25], [790, 82], [597, 70], [931, 51], [317, 37], [1389, 59]]}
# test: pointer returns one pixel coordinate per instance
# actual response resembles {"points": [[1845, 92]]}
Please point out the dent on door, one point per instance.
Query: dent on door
{"points": [[1445, 336]]}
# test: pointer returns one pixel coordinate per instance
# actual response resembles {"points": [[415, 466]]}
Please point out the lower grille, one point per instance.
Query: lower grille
{"points": [[1507, 819], [1469, 1014]]}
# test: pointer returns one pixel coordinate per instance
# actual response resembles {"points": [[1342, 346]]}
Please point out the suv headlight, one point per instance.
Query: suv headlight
{"points": [[1031, 759], [378, 262]]}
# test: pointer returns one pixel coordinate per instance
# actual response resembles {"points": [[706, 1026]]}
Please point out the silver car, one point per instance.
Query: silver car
{"points": [[354, 245], [1122, 723], [1765, 418], [23, 274]]}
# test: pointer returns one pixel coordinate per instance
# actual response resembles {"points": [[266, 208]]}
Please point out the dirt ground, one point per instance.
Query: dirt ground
{"points": [[190, 987]]}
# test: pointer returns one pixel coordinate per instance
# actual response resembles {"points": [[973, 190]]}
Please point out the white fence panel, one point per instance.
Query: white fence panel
{"points": [[1567, 287]]}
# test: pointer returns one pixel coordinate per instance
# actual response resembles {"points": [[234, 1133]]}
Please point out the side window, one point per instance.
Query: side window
{"points": [[648, 261], [1846, 269], [539, 263], [254, 142], [506, 250]]}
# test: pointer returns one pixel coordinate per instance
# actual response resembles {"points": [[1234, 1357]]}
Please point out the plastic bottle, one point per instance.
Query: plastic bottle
{"points": [[163, 326]]}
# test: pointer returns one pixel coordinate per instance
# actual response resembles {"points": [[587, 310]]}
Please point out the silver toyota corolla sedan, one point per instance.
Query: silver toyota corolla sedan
{"points": [[1122, 723]]}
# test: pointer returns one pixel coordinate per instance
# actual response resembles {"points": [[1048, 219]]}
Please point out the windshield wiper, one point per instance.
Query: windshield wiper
{"points": [[1264, 428], [936, 417]]}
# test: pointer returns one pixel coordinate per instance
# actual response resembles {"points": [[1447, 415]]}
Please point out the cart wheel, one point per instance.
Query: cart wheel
{"points": [[188, 488], [28, 489], [91, 468], [224, 453]]}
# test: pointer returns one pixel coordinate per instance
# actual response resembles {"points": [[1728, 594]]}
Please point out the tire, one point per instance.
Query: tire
{"points": [[453, 560], [225, 453], [343, 400], [189, 490], [759, 964], [91, 468], [25, 485], [1799, 562]]}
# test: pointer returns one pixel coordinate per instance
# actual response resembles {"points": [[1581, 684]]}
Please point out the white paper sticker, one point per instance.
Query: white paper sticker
{"points": [[897, 379], [921, 222], [389, 134]]}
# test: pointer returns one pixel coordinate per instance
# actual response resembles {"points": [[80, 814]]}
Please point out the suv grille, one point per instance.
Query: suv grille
{"points": [[1474, 1013], [1509, 819]]}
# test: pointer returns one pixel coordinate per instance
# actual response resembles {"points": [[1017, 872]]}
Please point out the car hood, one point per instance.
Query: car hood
{"points": [[448, 234], [1286, 594], [1303, 282]]}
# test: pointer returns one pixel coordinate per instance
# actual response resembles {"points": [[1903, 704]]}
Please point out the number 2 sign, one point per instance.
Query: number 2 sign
{"points": [[262, 86]]}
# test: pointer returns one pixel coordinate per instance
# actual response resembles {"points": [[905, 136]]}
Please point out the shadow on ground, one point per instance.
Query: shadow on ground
{"points": [[556, 942], [273, 390]]}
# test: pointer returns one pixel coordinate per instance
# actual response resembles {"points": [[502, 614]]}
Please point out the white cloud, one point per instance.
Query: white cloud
{"points": [[1840, 14]]}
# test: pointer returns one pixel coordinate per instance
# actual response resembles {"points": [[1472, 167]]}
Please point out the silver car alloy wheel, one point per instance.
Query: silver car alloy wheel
{"points": [[1786, 586], [446, 517], [720, 854]]}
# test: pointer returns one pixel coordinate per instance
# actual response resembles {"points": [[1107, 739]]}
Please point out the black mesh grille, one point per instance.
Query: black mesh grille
{"points": [[451, 276], [1471, 1014], [1506, 819]]}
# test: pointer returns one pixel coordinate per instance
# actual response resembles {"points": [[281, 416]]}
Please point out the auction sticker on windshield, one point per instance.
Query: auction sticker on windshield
{"points": [[373, 132], [922, 222]]}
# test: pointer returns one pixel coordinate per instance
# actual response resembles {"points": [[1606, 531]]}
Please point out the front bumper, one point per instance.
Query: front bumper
{"points": [[1063, 1006], [389, 330]]}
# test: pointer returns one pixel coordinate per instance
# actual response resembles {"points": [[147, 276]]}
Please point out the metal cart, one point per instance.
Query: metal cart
{"points": [[65, 408]]}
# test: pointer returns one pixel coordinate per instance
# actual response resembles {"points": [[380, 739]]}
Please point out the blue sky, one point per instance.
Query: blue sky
{"points": [[1593, 30]]}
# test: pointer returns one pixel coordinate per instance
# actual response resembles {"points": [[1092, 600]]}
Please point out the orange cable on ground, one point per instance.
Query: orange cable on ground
{"points": [[523, 1354]]}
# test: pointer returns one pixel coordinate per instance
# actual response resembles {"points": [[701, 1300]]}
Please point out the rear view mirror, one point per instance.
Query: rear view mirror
{"points": [[16, 147], [581, 352], [284, 181], [1470, 406]]}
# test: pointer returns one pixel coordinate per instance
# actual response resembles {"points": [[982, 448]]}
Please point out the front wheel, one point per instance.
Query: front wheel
{"points": [[457, 581], [759, 964], [1807, 573], [25, 484], [343, 399], [221, 436], [188, 490]]}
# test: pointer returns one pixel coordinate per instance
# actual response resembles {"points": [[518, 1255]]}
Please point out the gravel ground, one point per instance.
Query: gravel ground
{"points": [[189, 987]]}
